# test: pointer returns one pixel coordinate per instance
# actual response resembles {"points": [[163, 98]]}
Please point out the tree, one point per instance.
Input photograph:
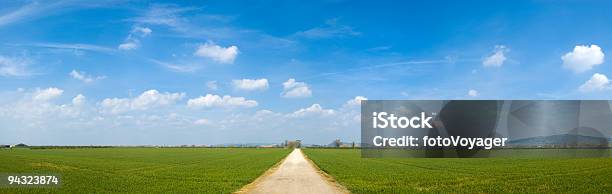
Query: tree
{"points": [[337, 143]]}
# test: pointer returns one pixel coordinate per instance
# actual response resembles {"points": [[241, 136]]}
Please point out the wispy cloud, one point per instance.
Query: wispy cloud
{"points": [[331, 29], [21, 13], [132, 41], [169, 15], [380, 48], [15, 66], [384, 65], [212, 85], [183, 68], [185, 22], [175, 18], [72, 46], [34, 10]]}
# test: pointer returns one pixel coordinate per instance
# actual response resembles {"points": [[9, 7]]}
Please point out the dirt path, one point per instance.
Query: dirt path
{"points": [[295, 174]]}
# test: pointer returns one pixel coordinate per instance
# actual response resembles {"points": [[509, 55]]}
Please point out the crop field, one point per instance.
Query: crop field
{"points": [[142, 170], [473, 175]]}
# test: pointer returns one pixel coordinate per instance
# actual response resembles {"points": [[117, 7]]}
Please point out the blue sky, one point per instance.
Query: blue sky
{"points": [[144, 72]]}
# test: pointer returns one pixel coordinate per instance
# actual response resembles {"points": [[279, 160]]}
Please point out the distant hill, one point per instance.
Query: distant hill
{"points": [[564, 140], [245, 144]]}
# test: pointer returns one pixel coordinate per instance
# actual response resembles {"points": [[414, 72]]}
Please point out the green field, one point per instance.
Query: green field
{"points": [[473, 175], [142, 170], [224, 170]]}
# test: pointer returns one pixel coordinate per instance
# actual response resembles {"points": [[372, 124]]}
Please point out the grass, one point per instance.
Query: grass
{"points": [[464, 175], [142, 170]]}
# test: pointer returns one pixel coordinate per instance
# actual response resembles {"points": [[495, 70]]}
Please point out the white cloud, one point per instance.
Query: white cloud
{"points": [[30, 115], [133, 41], [226, 101], [356, 101], [115, 105], [14, 66], [152, 98], [142, 31], [202, 122], [497, 58], [598, 82], [47, 94], [78, 100], [293, 89], [583, 58], [212, 85], [217, 53], [315, 109], [146, 100], [349, 114], [251, 84], [39, 109], [473, 93], [82, 76], [130, 45]]}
